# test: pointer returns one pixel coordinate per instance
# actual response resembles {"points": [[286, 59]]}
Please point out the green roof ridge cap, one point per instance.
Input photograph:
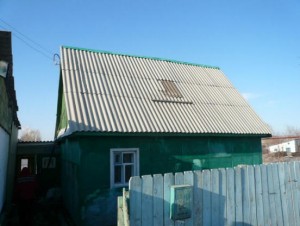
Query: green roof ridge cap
{"points": [[144, 57]]}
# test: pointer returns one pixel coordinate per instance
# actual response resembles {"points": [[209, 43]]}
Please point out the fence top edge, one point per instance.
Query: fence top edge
{"points": [[229, 169]]}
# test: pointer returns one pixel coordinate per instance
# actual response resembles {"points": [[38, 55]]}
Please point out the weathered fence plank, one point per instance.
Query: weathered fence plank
{"points": [[179, 180], [238, 195], [223, 193], [271, 195], [289, 193], [297, 175], [215, 199], [169, 180], [230, 198], [282, 185], [188, 178], [158, 200], [278, 206], [147, 200], [135, 194], [265, 195], [207, 198], [252, 196], [198, 199], [258, 196], [295, 181], [245, 195]]}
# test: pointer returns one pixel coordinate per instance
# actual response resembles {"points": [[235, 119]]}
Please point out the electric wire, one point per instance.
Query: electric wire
{"points": [[18, 35], [25, 36]]}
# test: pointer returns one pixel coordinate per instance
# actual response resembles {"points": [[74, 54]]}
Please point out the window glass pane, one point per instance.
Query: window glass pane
{"points": [[128, 158], [24, 163], [118, 158], [128, 172], [118, 170], [123, 166]]}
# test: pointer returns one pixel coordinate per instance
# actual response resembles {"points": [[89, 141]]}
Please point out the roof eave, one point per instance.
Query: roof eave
{"points": [[139, 134]]}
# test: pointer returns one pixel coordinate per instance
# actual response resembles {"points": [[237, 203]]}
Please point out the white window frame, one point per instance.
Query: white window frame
{"points": [[136, 157]]}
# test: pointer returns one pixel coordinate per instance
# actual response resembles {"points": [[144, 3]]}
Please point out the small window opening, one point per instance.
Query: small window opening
{"points": [[24, 163], [170, 89]]}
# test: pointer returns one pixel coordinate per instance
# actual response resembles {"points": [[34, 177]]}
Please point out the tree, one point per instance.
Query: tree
{"points": [[292, 131], [30, 135]]}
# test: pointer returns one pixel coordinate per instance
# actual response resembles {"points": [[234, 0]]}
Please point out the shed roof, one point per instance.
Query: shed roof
{"points": [[108, 92]]}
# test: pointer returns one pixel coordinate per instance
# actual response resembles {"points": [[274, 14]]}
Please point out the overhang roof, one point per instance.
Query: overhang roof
{"points": [[109, 92]]}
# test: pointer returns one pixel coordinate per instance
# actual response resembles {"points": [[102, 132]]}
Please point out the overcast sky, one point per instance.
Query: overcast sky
{"points": [[256, 43]]}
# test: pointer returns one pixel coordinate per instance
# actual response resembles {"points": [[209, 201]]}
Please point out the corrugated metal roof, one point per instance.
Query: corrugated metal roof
{"points": [[118, 93]]}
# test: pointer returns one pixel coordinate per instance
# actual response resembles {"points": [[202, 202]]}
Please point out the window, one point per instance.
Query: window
{"points": [[24, 163], [170, 93], [170, 89], [3, 68], [47, 164], [124, 163]]}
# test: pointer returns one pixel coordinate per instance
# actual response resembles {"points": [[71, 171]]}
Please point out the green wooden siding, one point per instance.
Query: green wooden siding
{"points": [[62, 118], [86, 161], [5, 110], [158, 155]]}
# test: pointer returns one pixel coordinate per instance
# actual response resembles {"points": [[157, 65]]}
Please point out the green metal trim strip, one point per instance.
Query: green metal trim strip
{"points": [[105, 134], [143, 57]]}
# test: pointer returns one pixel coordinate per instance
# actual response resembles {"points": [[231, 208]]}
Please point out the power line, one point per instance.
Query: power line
{"points": [[29, 45], [25, 36], [18, 35]]}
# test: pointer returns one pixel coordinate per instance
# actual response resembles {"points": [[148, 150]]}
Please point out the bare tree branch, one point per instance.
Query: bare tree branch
{"points": [[30, 135]]}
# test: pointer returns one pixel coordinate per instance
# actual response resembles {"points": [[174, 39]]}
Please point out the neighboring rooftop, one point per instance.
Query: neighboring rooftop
{"points": [[6, 55], [106, 92]]}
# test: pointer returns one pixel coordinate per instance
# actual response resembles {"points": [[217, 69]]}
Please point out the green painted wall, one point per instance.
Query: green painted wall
{"points": [[62, 119], [87, 158], [11, 165], [5, 110]]}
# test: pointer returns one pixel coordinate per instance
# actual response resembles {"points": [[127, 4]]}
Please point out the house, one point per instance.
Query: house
{"points": [[290, 146], [281, 144], [9, 123], [121, 115]]}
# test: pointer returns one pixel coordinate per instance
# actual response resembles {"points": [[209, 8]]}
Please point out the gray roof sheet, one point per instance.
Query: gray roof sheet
{"points": [[119, 93]]}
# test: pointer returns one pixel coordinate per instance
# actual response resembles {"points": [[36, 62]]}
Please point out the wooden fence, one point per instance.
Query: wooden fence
{"points": [[250, 195]]}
